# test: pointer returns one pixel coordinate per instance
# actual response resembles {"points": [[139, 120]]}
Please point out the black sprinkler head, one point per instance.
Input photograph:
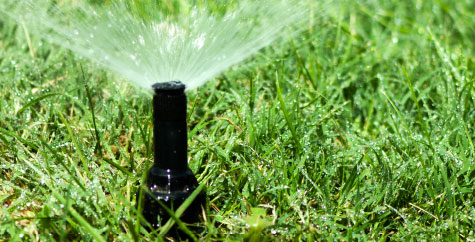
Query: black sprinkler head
{"points": [[170, 180]]}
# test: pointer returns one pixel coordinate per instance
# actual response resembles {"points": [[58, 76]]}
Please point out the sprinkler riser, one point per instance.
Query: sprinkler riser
{"points": [[169, 130], [170, 181]]}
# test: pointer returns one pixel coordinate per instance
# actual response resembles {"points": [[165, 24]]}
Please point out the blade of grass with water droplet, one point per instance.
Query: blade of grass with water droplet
{"points": [[76, 143], [77, 217], [176, 215], [283, 108], [34, 101]]}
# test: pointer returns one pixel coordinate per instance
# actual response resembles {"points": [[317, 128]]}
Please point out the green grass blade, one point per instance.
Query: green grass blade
{"points": [[286, 115], [176, 215], [35, 101]]}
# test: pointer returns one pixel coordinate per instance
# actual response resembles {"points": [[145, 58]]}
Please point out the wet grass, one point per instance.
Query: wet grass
{"points": [[360, 128]]}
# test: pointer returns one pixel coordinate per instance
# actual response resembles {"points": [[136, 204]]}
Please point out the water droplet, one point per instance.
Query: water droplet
{"points": [[141, 40]]}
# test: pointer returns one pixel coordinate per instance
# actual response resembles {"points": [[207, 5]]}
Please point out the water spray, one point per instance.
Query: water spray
{"points": [[194, 46], [170, 180]]}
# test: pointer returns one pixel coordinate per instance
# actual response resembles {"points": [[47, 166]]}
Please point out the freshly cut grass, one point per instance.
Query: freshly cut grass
{"points": [[360, 128]]}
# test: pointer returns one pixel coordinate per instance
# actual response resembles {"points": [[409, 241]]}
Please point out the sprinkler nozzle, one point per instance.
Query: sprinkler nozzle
{"points": [[170, 180]]}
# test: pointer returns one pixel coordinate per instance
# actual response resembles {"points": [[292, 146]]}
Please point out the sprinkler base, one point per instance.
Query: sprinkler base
{"points": [[172, 188]]}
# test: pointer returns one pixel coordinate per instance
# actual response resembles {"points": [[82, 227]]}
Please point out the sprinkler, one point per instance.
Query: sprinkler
{"points": [[170, 180]]}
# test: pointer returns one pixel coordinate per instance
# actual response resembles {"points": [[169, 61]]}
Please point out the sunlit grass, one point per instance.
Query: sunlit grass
{"points": [[361, 128]]}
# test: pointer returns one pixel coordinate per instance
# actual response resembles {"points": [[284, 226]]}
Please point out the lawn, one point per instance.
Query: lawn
{"points": [[361, 127]]}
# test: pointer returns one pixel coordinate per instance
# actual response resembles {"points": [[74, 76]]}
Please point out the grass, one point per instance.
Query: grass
{"points": [[360, 128]]}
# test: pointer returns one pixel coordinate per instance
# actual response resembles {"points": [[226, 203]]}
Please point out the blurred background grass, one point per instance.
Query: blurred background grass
{"points": [[359, 128]]}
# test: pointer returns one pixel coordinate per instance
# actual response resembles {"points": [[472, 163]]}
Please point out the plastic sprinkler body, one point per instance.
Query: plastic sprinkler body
{"points": [[170, 180]]}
